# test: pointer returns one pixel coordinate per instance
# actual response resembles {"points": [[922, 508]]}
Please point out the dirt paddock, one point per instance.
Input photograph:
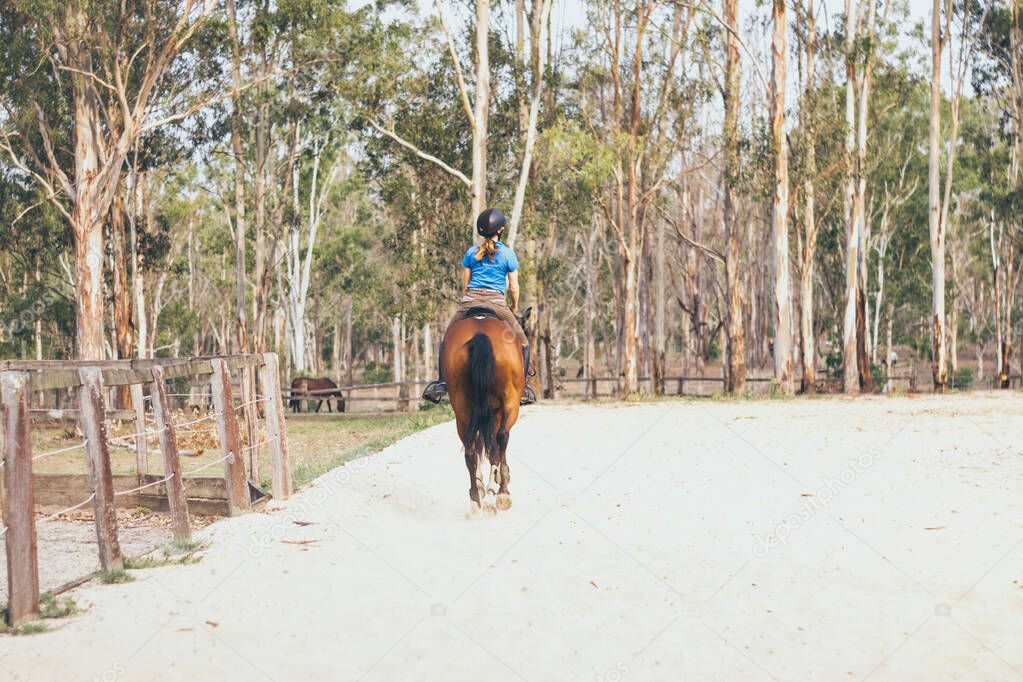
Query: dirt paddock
{"points": [[825, 539]]}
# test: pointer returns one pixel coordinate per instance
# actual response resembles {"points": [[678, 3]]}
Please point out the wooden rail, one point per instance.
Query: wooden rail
{"points": [[19, 378], [388, 394], [46, 374]]}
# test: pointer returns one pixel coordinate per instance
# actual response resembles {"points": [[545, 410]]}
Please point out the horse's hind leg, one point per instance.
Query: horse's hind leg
{"points": [[484, 478], [503, 475], [474, 492], [474, 462]]}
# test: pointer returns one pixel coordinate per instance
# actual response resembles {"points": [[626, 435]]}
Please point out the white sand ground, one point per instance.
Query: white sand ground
{"points": [[639, 547]]}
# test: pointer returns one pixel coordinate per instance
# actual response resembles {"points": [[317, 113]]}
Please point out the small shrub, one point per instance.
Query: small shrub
{"points": [[713, 349], [183, 547], [31, 628], [177, 552], [877, 378], [962, 378], [376, 373], [114, 576], [833, 362], [51, 606]]}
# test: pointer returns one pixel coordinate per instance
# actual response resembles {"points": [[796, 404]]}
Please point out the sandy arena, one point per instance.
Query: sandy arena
{"points": [[830, 539]]}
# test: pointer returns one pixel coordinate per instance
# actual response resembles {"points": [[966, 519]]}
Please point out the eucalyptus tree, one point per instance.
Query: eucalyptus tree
{"points": [[81, 82], [627, 95], [782, 295], [997, 75], [735, 350]]}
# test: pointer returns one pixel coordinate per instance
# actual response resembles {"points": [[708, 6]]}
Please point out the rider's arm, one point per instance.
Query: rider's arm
{"points": [[466, 274], [513, 289]]}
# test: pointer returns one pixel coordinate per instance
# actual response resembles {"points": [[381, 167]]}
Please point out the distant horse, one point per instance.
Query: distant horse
{"points": [[315, 388], [482, 364]]}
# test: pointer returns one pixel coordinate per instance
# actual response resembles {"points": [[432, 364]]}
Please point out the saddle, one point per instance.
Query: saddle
{"points": [[480, 311]]}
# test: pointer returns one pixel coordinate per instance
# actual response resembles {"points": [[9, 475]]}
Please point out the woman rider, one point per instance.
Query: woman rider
{"points": [[487, 271]]}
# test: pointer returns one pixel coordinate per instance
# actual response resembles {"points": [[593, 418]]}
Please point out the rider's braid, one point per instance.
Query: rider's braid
{"points": [[488, 248]]}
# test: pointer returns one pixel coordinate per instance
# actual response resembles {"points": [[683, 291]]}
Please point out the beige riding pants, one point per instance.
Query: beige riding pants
{"points": [[494, 300]]}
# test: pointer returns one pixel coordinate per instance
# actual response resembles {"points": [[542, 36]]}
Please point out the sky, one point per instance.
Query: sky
{"points": [[570, 13]]}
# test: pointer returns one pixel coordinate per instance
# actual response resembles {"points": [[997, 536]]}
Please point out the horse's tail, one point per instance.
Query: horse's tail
{"points": [[482, 433]]}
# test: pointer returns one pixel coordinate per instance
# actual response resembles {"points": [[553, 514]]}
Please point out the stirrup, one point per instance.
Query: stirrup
{"points": [[528, 396], [435, 391]]}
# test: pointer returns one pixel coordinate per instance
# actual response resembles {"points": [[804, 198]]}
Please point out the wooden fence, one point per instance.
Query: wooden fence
{"points": [[19, 379], [404, 396]]}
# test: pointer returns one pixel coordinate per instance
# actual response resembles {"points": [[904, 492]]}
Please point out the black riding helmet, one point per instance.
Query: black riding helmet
{"points": [[490, 222]]}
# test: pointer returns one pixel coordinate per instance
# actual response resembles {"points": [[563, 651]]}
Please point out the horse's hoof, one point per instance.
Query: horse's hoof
{"points": [[475, 511], [489, 509], [503, 501]]}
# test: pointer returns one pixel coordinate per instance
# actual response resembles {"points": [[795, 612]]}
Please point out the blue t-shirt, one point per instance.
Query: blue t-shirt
{"points": [[487, 274]]}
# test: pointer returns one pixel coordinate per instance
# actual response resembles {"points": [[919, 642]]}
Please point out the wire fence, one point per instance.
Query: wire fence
{"points": [[59, 451], [152, 416]]}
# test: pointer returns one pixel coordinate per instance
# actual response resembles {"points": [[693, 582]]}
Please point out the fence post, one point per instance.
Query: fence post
{"points": [[91, 416], [403, 401], [251, 419], [17, 499], [138, 403], [276, 431], [238, 499], [171, 464]]}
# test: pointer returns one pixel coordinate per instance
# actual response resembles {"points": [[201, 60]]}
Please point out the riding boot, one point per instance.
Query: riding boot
{"points": [[528, 397], [436, 390]]}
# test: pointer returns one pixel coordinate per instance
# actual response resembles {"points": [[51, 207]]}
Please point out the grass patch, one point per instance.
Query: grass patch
{"points": [[33, 627], [183, 546], [114, 576], [318, 445], [178, 552], [52, 606]]}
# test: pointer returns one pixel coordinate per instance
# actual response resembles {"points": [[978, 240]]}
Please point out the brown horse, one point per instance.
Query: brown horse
{"points": [[482, 364], [315, 388]]}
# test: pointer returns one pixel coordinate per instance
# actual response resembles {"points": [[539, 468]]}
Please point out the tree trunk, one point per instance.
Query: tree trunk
{"points": [[86, 218], [888, 347], [481, 112], [850, 373], [260, 280], [863, 228], [532, 292], [997, 295], [349, 370], [808, 251], [239, 177], [879, 297], [660, 294], [782, 308], [735, 351], [335, 353], [589, 310], [121, 295], [537, 37], [137, 278], [939, 362], [630, 247]]}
